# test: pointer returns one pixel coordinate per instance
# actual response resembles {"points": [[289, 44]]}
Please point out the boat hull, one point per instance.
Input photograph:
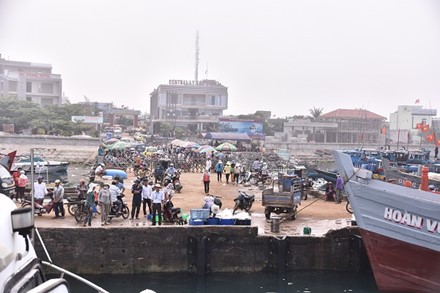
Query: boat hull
{"points": [[400, 229], [402, 267]]}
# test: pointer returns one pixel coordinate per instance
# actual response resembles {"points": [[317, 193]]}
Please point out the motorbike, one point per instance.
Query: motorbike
{"points": [[306, 186], [73, 203], [244, 177], [209, 201], [125, 211], [257, 177], [171, 214], [38, 208], [175, 180], [243, 201]]}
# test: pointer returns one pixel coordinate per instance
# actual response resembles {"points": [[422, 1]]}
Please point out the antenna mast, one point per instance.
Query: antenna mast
{"points": [[196, 74]]}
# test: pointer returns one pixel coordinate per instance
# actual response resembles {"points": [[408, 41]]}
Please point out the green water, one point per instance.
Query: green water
{"points": [[298, 281]]}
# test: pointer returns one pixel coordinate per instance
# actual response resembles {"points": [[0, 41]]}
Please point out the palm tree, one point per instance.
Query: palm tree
{"points": [[316, 112]]}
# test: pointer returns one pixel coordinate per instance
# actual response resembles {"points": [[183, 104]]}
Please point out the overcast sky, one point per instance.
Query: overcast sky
{"points": [[284, 56]]}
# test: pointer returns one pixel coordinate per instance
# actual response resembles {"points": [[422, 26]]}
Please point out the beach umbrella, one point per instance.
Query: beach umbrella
{"points": [[111, 140], [120, 145], [226, 146], [208, 149], [176, 142]]}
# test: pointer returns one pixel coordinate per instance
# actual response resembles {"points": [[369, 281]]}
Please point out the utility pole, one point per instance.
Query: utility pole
{"points": [[196, 73]]}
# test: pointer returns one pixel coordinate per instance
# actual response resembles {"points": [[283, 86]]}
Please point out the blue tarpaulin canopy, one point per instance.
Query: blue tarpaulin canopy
{"points": [[227, 136]]}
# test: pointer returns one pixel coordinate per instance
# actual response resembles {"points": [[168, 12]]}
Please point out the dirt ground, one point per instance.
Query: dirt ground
{"points": [[314, 212]]}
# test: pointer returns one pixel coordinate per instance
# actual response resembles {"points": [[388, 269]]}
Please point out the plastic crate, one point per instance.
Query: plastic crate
{"points": [[199, 214]]}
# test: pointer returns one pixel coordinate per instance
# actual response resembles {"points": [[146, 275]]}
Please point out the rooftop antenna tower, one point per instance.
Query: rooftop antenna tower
{"points": [[196, 73]]}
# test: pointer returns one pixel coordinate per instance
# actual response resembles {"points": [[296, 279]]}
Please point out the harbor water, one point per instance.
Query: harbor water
{"points": [[297, 281]]}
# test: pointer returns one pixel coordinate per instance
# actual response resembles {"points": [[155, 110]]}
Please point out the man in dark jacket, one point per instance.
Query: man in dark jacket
{"points": [[136, 189]]}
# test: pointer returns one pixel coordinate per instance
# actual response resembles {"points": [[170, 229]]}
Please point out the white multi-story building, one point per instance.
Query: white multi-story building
{"points": [[405, 120], [30, 81], [191, 104]]}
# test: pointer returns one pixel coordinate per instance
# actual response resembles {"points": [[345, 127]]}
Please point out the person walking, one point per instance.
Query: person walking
{"points": [[40, 191], [227, 171], [58, 195], [339, 189], [147, 189], [436, 152], [88, 205], [104, 202], [158, 200], [206, 179], [219, 170], [208, 165], [236, 173]]}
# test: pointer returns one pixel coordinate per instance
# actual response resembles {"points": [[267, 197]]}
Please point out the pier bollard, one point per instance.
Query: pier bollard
{"points": [[275, 225]]}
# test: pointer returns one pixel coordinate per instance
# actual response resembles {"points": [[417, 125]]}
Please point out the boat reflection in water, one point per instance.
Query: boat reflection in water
{"points": [[295, 281]]}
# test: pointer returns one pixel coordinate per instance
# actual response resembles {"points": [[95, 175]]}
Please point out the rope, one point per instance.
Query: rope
{"points": [[308, 205]]}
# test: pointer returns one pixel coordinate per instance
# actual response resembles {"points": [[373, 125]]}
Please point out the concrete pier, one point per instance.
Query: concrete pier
{"points": [[201, 250]]}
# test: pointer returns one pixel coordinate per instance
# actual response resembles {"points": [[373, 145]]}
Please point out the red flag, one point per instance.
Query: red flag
{"points": [[7, 160], [420, 125], [430, 137], [417, 101], [438, 142], [425, 128]]}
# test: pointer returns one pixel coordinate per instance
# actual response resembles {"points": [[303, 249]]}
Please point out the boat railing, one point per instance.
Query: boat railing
{"points": [[75, 276], [64, 271]]}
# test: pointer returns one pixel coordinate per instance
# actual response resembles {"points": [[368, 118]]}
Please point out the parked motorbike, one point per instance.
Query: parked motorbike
{"points": [[38, 208], [125, 211], [243, 201], [210, 200], [257, 177], [306, 186], [244, 177], [171, 214], [73, 203]]}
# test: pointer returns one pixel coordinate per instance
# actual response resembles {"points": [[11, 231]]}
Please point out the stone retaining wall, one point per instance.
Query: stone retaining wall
{"points": [[199, 250]]}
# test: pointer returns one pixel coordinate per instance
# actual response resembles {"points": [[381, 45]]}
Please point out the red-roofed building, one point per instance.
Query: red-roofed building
{"points": [[355, 114], [354, 126]]}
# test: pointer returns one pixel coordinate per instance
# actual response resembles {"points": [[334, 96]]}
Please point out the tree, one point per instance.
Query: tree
{"points": [[316, 112], [52, 119]]}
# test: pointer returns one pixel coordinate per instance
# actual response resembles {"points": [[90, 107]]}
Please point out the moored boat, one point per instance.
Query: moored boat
{"points": [[400, 228], [20, 268], [394, 175]]}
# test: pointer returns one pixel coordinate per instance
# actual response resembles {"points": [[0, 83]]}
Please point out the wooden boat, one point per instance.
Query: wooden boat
{"points": [[394, 175], [400, 228]]}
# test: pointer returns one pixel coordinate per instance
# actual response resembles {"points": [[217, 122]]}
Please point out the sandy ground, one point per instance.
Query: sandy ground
{"points": [[314, 212]]}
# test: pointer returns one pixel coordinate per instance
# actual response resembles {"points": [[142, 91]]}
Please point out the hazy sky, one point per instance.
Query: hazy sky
{"points": [[285, 56]]}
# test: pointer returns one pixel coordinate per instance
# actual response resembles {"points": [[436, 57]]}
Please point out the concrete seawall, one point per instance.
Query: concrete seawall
{"points": [[199, 250]]}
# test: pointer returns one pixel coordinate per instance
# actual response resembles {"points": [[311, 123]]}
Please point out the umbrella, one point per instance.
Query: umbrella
{"points": [[111, 140], [226, 147], [207, 149], [176, 142], [120, 145]]}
